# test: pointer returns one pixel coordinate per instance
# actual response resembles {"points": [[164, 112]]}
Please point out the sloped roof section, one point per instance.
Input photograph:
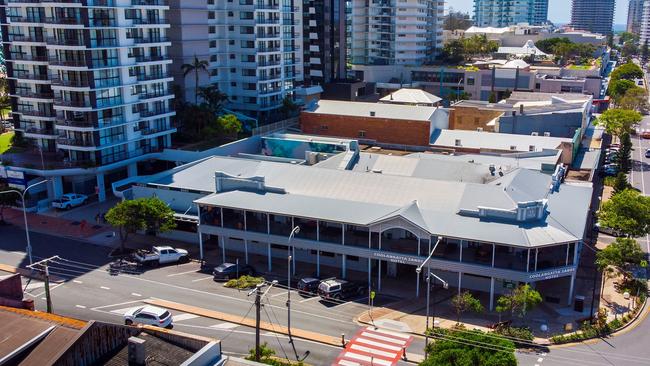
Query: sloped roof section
{"points": [[411, 96]]}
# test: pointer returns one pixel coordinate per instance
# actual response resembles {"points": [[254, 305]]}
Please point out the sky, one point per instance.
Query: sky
{"points": [[559, 11]]}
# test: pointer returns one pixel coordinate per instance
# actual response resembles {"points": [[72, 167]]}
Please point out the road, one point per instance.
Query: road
{"points": [[91, 292]]}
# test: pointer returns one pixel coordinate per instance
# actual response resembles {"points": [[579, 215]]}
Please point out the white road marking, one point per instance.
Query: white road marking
{"points": [[184, 316], [309, 299], [80, 306], [104, 288], [118, 304], [540, 359], [34, 285], [202, 279], [278, 294], [77, 281], [135, 294], [43, 298], [372, 351], [124, 310], [181, 273], [224, 326]]}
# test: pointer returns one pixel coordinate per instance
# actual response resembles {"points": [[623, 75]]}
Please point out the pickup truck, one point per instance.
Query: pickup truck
{"points": [[69, 200], [339, 289], [161, 255]]}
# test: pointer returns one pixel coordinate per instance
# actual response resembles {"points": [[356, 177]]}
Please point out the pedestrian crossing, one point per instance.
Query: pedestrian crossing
{"points": [[374, 346]]}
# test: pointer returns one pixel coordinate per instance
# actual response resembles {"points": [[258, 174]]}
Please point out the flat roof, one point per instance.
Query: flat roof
{"points": [[411, 96], [366, 199], [493, 140], [380, 110]]}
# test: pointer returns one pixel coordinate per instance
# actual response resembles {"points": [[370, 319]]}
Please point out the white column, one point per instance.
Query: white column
{"points": [[379, 263], [491, 293], [268, 253], [571, 288], [536, 250], [317, 263], [566, 262], [494, 252], [460, 258], [528, 260], [460, 278], [101, 189], [268, 243], [317, 230], [343, 267], [223, 247], [200, 243], [417, 277], [343, 234]]}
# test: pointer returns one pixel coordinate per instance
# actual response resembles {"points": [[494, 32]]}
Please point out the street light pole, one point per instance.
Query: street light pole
{"points": [[22, 197], [294, 231], [418, 270]]}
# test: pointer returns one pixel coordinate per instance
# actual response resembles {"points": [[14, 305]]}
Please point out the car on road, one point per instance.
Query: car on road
{"points": [[647, 153], [339, 289], [69, 200], [308, 285], [149, 315], [606, 230], [227, 271], [645, 135], [161, 255]]}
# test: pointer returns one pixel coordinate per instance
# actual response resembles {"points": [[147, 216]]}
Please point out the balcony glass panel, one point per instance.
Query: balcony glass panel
{"points": [[307, 228], [280, 225], [551, 257], [399, 241], [233, 219], [256, 221], [448, 249], [511, 258], [356, 236], [479, 253], [330, 232]]}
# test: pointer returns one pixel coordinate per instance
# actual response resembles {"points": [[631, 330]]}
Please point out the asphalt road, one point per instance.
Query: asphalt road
{"points": [[91, 292]]}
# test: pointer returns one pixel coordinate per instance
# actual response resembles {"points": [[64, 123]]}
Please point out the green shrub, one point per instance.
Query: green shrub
{"points": [[609, 181], [244, 282], [523, 333]]}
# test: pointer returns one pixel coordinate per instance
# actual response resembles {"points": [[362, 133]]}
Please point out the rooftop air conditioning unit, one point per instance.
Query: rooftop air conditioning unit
{"points": [[457, 142], [534, 134], [547, 134], [479, 129]]}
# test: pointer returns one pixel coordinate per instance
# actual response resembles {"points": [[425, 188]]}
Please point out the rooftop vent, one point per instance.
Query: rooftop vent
{"points": [[457, 142], [547, 134], [534, 133], [372, 113], [479, 129], [531, 147], [137, 355], [513, 147]]}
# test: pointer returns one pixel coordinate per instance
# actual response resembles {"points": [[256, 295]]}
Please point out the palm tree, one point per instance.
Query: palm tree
{"points": [[196, 66], [213, 97]]}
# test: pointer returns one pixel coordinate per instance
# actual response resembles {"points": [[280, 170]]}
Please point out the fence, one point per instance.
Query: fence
{"points": [[277, 126]]}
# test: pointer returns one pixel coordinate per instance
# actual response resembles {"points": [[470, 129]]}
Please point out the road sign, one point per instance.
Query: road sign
{"points": [[372, 295], [644, 264]]}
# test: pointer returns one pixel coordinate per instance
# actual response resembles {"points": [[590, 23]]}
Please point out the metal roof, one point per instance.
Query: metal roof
{"points": [[370, 110], [493, 140], [362, 198], [411, 96]]}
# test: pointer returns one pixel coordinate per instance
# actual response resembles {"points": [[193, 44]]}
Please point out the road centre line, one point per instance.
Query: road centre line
{"points": [[135, 294], [118, 304], [104, 288], [202, 279]]}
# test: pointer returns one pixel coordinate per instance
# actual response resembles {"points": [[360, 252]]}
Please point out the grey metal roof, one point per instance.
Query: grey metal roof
{"points": [[411, 96], [493, 140], [361, 198], [380, 110], [504, 162]]}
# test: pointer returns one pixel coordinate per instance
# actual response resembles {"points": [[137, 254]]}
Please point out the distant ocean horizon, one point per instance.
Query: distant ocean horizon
{"points": [[617, 27]]}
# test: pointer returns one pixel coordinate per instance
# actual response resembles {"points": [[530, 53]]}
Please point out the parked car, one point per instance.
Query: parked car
{"points": [[149, 315], [606, 230], [339, 289], [647, 153], [610, 169], [227, 271], [161, 255], [308, 286], [69, 200], [645, 135]]}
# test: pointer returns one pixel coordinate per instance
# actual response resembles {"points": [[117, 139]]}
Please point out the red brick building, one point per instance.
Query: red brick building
{"points": [[383, 123]]}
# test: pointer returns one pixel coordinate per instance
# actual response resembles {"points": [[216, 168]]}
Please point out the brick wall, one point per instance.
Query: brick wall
{"points": [[390, 131], [469, 118]]}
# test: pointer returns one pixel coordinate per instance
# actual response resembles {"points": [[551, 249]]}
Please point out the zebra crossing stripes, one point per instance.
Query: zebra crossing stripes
{"points": [[374, 346]]}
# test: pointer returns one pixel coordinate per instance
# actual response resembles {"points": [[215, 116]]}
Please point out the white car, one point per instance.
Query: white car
{"points": [[149, 315], [69, 200], [162, 255]]}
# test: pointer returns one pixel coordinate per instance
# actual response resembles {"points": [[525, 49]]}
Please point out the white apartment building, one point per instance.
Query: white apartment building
{"points": [[644, 29], [89, 83], [396, 32], [254, 49]]}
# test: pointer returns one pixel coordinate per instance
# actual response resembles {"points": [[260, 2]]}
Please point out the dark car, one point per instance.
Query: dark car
{"points": [[308, 285], [647, 153], [227, 271], [340, 289]]}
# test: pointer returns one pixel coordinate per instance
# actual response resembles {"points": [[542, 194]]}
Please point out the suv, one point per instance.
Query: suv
{"points": [[69, 200], [308, 286], [227, 271], [150, 315], [339, 289]]}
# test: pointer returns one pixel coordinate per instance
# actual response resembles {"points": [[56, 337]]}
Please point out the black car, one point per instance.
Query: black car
{"points": [[308, 286], [227, 271], [647, 153]]}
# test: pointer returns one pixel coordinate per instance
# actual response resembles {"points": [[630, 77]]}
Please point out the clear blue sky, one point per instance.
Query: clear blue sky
{"points": [[559, 10]]}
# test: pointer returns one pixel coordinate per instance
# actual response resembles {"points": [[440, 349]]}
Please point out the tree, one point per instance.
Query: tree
{"points": [[620, 183], [289, 107], [628, 37], [7, 200], [469, 348], [627, 212], [453, 51], [628, 71], [151, 214], [493, 97], [229, 124], [547, 45], [479, 45], [196, 66], [465, 302], [629, 49], [457, 20], [623, 253], [213, 97], [618, 88], [624, 155], [619, 121], [635, 99], [645, 51], [519, 301]]}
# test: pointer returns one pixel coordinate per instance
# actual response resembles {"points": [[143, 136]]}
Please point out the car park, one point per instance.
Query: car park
{"points": [[161, 255], [69, 200], [335, 289], [308, 285], [149, 315], [227, 271]]}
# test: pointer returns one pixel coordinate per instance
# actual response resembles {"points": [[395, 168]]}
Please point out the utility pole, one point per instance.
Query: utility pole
{"points": [[42, 265], [258, 306], [290, 262]]}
